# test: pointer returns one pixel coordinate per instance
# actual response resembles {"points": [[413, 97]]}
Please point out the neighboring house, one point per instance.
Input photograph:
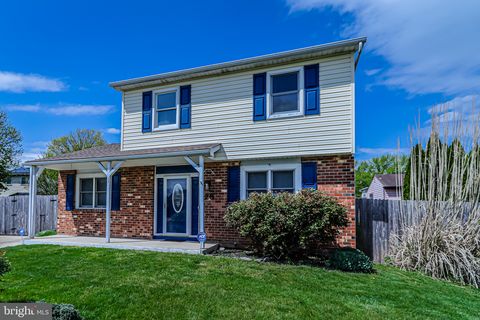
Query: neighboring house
{"points": [[17, 183], [363, 191], [195, 140], [385, 186]]}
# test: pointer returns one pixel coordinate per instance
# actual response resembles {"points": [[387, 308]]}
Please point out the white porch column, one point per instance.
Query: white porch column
{"points": [[32, 195], [201, 196], [201, 203], [109, 171]]}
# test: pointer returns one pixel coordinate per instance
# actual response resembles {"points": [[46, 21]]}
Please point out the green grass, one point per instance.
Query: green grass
{"points": [[121, 284], [46, 233]]}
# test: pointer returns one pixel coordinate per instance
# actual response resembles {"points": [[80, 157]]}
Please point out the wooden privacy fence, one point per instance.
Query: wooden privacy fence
{"points": [[14, 214], [377, 220]]}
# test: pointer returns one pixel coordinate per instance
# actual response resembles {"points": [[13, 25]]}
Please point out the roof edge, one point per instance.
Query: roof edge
{"points": [[206, 151], [241, 64]]}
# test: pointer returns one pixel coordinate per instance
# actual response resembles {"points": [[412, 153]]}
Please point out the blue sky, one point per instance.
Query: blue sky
{"points": [[57, 57]]}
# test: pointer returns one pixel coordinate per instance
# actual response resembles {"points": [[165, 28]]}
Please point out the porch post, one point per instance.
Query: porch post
{"points": [[32, 195], [200, 169], [109, 172], [201, 198]]}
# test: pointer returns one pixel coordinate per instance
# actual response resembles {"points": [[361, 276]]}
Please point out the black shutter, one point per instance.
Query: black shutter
{"points": [[185, 107], [195, 185], [233, 184], [70, 192], [147, 100], [116, 191], [309, 175], [259, 96], [159, 205], [312, 90]]}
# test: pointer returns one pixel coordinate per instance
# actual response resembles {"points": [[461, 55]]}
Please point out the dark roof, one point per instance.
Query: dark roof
{"points": [[112, 152], [390, 180], [20, 171]]}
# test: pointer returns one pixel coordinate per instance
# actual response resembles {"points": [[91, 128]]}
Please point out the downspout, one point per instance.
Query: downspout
{"points": [[360, 49]]}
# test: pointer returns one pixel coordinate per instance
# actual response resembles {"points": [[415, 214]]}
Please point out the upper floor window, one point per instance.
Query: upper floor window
{"points": [[166, 106], [285, 92]]}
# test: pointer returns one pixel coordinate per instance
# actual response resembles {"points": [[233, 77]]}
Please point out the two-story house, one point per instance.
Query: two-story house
{"points": [[195, 140]]}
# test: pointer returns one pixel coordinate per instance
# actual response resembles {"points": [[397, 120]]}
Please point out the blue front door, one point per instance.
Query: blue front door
{"points": [[176, 205]]}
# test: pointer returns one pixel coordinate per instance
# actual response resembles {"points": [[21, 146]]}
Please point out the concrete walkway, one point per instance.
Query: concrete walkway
{"points": [[124, 243], [10, 241]]}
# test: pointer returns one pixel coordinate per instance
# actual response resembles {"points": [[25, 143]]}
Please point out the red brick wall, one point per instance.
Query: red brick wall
{"points": [[336, 177], [216, 204], [134, 219]]}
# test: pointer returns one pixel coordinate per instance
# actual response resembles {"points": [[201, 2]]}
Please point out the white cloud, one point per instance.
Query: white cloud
{"points": [[112, 130], [456, 118], [63, 110], [34, 150], [431, 46], [20, 82], [24, 108], [74, 110], [372, 72], [27, 156]]}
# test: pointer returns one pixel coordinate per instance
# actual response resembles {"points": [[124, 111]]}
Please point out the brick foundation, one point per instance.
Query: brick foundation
{"points": [[335, 177]]}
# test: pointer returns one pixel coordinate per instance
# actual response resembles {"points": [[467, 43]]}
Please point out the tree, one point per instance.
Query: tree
{"points": [[10, 148], [366, 170], [78, 140]]}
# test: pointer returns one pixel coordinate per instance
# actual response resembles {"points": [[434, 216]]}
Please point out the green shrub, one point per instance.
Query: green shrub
{"points": [[46, 233], [287, 226], [65, 312], [4, 264], [350, 260]]}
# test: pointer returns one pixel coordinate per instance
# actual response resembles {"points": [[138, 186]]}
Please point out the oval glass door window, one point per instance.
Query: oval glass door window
{"points": [[177, 198]]}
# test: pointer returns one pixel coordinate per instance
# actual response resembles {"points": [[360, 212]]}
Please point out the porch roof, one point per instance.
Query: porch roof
{"points": [[113, 152]]}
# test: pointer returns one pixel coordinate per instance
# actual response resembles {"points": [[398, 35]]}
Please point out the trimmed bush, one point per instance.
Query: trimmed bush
{"points": [[287, 226], [4, 264], [350, 260], [65, 312], [46, 233]]}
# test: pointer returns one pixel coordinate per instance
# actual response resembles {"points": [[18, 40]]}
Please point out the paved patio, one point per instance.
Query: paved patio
{"points": [[124, 243], [10, 241]]}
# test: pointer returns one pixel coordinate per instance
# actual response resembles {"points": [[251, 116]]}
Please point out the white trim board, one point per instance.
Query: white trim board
{"points": [[294, 165]]}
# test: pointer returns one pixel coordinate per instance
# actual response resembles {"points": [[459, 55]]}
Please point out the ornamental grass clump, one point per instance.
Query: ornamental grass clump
{"points": [[288, 226], [440, 236]]}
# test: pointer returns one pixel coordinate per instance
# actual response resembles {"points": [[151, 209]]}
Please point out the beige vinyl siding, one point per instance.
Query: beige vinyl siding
{"points": [[222, 112]]}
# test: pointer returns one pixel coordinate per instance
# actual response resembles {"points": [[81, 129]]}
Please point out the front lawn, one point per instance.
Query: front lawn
{"points": [[121, 284]]}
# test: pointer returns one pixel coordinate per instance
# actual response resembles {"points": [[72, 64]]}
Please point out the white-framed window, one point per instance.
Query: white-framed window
{"points": [[285, 90], [91, 191], [270, 177], [166, 108]]}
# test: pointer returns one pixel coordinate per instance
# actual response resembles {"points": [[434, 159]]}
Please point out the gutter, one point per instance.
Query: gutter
{"points": [[209, 151], [329, 49]]}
